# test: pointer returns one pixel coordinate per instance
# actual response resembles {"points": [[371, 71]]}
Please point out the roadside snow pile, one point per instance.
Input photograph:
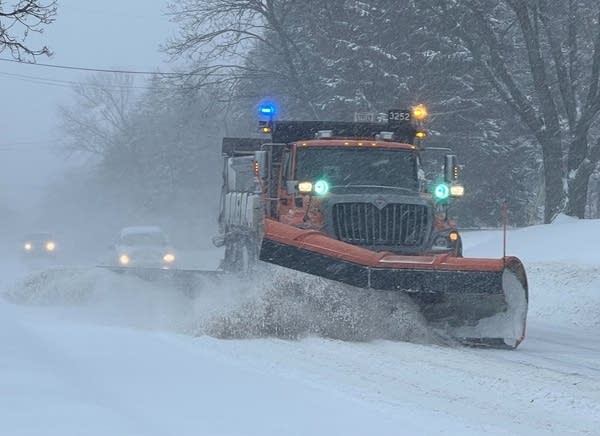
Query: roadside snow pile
{"points": [[567, 240], [54, 286], [293, 305], [562, 261], [275, 303], [100, 296], [565, 294]]}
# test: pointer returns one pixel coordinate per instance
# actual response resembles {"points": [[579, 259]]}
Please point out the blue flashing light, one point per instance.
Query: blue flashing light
{"points": [[267, 109]]}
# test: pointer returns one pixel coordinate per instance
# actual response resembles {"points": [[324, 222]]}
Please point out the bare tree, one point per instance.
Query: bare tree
{"points": [[99, 118], [219, 37], [543, 59], [19, 20]]}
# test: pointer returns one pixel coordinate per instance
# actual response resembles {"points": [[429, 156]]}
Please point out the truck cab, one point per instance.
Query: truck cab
{"points": [[360, 183], [365, 193]]}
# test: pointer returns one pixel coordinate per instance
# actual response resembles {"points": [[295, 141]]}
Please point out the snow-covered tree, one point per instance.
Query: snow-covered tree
{"points": [[543, 58]]}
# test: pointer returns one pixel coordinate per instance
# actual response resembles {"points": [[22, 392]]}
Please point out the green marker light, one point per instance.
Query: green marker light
{"points": [[441, 191], [321, 187]]}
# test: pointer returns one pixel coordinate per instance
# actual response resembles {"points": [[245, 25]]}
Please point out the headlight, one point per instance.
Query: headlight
{"points": [[457, 190], [305, 187], [50, 246], [169, 257], [453, 236], [27, 246], [123, 259]]}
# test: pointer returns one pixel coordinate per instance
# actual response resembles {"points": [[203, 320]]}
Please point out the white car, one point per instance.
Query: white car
{"points": [[144, 246]]}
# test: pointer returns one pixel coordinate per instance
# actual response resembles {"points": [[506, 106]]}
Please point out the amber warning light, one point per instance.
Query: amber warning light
{"points": [[265, 127], [419, 112]]}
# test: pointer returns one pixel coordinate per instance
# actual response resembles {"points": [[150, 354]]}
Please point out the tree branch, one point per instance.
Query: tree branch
{"points": [[593, 98], [25, 17], [495, 68], [566, 89], [538, 71]]}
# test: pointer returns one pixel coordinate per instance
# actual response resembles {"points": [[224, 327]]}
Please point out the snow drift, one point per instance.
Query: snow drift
{"points": [[275, 302]]}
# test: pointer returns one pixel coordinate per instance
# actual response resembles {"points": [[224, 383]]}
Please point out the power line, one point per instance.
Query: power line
{"points": [[101, 70], [70, 83], [104, 12], [26, 142], [22, 145], [12, 149], [39, 80]]}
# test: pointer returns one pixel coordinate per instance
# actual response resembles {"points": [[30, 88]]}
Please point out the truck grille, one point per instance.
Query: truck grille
{"points": [[394, 224]]}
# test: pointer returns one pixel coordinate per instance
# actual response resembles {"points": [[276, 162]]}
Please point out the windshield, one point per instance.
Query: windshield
{"points": [[154, 238], [358, 166]]}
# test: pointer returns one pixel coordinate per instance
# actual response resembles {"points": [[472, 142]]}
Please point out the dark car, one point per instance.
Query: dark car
{"points": [[39, 245]]}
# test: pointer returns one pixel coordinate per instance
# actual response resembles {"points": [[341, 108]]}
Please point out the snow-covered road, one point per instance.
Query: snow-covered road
{"points": [[121, 365]]}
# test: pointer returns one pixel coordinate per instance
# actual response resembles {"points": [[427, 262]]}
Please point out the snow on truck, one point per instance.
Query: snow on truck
{"points": [[349, 202]]}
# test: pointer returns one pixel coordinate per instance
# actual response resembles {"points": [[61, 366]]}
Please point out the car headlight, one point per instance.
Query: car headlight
{"points": [[50, 246], [169, 257], [123, 259], [27, 246]]}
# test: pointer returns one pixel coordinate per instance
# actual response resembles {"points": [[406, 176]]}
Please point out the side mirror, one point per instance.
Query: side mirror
{"points": [[261, 159], [451, 168]]}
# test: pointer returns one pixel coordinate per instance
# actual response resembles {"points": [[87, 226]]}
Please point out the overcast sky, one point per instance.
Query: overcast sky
{"points": [[122, 34]]}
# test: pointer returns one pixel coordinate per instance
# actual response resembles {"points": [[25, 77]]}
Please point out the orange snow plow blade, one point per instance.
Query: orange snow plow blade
{"points": [[480, 302]]}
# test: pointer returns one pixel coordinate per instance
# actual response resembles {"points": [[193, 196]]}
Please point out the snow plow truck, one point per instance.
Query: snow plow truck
{"points": [[349, 202]]}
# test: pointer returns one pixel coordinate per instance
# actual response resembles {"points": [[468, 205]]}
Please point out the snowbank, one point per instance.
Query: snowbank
{"points": [[568, 240], [562, 260], [276, 302]]}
